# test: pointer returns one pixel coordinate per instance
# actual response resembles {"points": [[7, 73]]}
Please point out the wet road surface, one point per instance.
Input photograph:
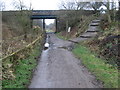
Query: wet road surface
{"points": [[58, 68]]}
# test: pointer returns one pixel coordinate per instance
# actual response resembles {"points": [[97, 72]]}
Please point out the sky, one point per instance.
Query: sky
{"points": [[36, 4], [49, 21], [41, 4]]}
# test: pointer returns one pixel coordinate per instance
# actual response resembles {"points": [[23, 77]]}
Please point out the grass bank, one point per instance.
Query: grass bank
{"points": [[23, 71], [61, 36], [103, 72]]}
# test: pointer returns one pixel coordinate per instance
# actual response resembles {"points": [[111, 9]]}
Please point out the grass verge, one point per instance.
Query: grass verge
{"points": [[23, 71], [103, 72], [62, 37]]}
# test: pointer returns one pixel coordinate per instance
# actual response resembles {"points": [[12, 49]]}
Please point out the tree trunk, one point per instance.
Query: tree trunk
{"points": [[109, 18], [118, 12], [108, 13], [119, 5]]}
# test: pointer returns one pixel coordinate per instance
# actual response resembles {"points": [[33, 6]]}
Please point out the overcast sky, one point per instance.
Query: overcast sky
{"points": [[36, 4], [41, 4]]}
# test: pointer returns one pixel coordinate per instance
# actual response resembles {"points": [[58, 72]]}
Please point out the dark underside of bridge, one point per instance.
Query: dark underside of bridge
{"points": [[43, 17]]}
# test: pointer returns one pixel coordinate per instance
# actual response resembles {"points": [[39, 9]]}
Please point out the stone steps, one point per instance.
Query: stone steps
{"points": [[94, 24], [83, 36], [96, 21], [92, 31]]}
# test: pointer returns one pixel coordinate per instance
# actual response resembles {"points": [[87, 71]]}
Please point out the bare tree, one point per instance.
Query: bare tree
{"points": [[119, 5], [72, 5], [95, 6], [111, 7], [107, 5], [118, 12], [19, 5], [81, 5], [23, 15], [30, 7], [67, 5], [2, 6]]}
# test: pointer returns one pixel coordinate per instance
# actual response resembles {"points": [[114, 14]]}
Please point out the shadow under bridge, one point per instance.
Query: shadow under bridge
{"points": [[45, 17]]}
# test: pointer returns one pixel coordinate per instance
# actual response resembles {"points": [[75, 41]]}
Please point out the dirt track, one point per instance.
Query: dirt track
{"points": [[58, 68]]}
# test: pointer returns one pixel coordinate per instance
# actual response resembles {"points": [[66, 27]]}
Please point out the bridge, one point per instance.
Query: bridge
{"points": [[45, 17], [56, 14]]}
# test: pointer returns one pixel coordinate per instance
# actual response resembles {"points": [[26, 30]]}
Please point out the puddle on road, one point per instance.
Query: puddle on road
{"points": [[46, 48], [63, 47], [44, 56]]}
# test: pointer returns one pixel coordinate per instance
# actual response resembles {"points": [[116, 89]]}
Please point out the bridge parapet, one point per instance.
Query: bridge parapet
{"points": [[61, 12]]}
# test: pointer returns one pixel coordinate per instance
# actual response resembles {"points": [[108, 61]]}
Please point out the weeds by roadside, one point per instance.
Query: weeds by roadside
{"points": [[103, 72], [23, 71], [62, 37]]}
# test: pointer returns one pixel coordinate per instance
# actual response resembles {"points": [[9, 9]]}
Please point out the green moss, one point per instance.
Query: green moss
{"points": [[104, 72]]}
